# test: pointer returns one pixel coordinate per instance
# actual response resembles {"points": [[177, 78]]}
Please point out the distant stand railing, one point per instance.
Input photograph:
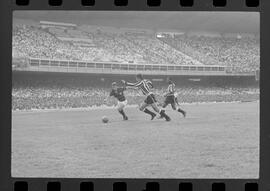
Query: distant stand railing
{"points": [[36, 62]]}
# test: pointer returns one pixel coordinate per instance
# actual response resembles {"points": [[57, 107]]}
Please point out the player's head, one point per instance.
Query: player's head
{"points": [[114, 85], [169, 80], [139, 77]]}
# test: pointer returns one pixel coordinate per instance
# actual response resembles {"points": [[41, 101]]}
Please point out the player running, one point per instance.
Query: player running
{"points": [[145, 86], [118, 93], [171, 98]]}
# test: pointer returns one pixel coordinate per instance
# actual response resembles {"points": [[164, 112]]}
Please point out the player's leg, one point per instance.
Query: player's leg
{"points": [[166, 102], [120, 108], [170, 100], [152, 100], [164, 105], [178, 108], [145, 110], [176, 100], [182, 111], [125, 104], [160, 111], [173, 106]]}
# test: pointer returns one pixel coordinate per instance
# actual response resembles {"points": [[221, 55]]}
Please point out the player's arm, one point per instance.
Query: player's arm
{"points": [[130, 87], [108, 97], [150, 84], [176, 100], [128, 84], [123, 88], [126, 87], [166, 94]]}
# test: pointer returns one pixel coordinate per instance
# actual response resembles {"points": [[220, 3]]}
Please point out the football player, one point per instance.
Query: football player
{"points": [[118, 93], [171, 98], [145, 86]]}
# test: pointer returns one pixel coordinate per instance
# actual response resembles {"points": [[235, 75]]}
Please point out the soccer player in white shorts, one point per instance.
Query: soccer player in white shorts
{"points": [[118, 93]]}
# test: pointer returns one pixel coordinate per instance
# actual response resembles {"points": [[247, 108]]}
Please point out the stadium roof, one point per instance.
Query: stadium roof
{"points": [[222, 22]]}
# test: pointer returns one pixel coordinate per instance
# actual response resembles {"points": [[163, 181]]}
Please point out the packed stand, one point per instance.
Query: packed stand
{"points": [[242, 55], [60, 93], [161, 53], [32, 41]]}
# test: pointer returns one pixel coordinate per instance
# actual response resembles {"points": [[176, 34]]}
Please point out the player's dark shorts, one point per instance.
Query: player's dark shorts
{"points": [[150, 99], [170, 100]]}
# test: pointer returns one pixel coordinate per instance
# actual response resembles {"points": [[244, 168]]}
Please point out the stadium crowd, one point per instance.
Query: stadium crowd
{"points": [[40, 43], [240, 54], [73, 93]]}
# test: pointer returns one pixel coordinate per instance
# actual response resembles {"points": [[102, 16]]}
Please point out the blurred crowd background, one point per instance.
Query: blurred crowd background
{"points": [[54, 91], [241, 54], [49, 40]]}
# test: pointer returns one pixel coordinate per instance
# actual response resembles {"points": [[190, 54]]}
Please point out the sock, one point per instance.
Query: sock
{"points": [[148, 112], [122, 113], [180, 110], [163, 114], [161, 111]]}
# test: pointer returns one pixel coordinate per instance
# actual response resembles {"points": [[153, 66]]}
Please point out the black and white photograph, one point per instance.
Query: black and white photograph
{"points": [[135, 94]]}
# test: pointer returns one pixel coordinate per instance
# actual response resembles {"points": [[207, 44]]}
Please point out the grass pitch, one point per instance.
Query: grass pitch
{"points": [[214, 141]]}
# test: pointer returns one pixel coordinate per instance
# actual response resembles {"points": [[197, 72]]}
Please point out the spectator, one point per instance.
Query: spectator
{"points": [[60, 92]]}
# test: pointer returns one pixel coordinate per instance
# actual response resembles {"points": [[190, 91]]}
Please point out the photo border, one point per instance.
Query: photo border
{"points": [[7, 182]]}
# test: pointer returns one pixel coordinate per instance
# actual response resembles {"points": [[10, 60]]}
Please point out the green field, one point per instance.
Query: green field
{"points": [[218, 140]]}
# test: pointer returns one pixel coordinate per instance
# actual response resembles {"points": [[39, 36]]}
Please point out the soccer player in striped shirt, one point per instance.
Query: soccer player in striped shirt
{"points": [[171, 98], [150, 100]]}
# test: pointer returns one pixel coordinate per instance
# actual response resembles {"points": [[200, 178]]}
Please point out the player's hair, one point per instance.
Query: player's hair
{"points": [[169, 79], [114, 84], [140, 76]]}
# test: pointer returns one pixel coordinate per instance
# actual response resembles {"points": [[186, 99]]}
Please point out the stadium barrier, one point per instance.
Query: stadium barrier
{"points": [[75, 66], [52, 65]]}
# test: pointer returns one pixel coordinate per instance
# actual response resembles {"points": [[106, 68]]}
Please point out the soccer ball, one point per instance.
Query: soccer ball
{"points": [[105, 119]]}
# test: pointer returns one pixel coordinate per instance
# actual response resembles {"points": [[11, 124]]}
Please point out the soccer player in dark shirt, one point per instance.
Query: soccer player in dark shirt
{"points": [[118, 93], [145, 86], [171, 98]]}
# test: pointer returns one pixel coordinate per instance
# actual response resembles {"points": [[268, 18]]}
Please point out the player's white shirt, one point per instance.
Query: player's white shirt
{"points": [[171, 89]]}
